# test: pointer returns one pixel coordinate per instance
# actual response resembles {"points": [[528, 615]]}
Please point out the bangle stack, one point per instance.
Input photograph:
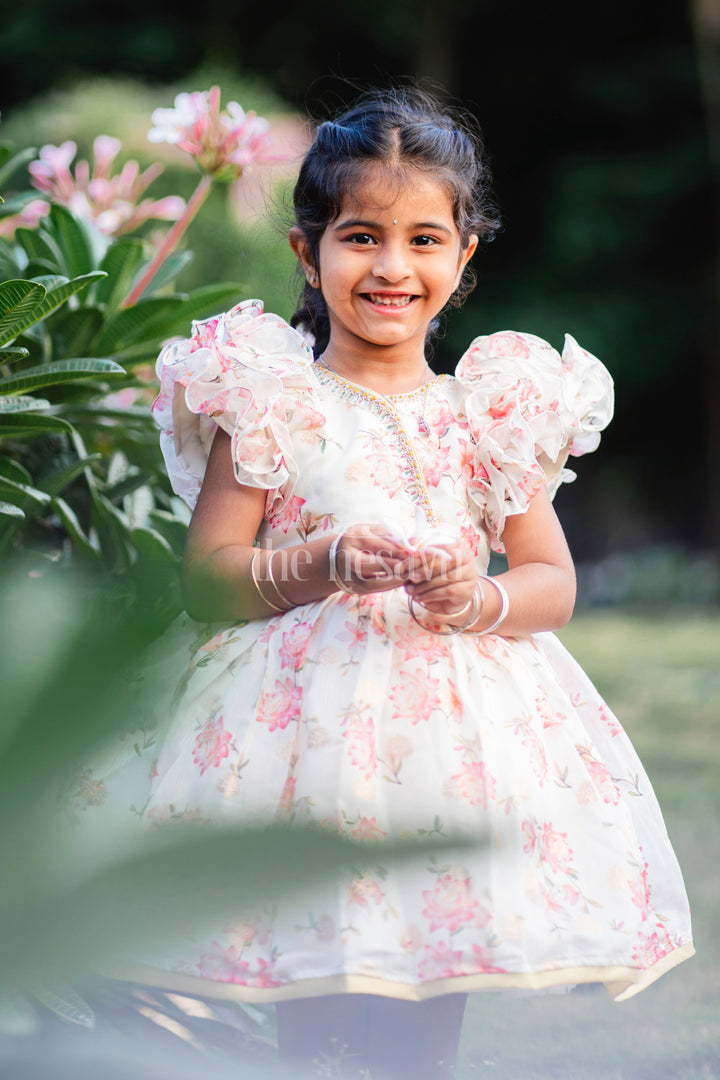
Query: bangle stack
{"points": [[473, 608], [504, 607], [288, 604], [334, 571]]}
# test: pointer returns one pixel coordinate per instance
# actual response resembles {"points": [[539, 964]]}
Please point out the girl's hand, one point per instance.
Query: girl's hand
{"points": [[443, 579], [367, 559]]}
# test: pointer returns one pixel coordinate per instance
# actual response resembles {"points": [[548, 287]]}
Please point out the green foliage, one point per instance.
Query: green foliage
{"points": [[81, 476]]}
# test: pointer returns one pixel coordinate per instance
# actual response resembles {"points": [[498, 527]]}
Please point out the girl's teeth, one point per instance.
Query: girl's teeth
{"points": [[390, 301]]}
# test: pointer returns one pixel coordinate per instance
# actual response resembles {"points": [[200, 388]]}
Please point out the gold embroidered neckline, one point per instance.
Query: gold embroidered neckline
{"points": [[374, 395]]}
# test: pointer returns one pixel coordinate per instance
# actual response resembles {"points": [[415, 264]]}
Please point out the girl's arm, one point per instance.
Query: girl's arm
{"points": [[216, 578], [540, 580]]}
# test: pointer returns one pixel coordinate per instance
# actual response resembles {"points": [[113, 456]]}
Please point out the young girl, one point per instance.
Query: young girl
{"points": [[371, 677]]}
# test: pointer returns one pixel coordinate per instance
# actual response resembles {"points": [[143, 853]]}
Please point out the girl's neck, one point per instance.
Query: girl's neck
{"points": [[385, 373]]}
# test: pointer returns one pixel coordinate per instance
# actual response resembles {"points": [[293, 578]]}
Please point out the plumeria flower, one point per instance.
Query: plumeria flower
{"points": [[27, 218], [111, 203], [222, 143]]}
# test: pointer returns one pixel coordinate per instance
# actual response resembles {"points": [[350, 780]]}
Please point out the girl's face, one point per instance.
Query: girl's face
{"points": [[388, 265]]}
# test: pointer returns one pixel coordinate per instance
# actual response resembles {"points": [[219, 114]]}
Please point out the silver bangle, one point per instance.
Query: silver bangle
{"points": [[273, 582], [334, 572], [256, 583], [475, 604], [504, 607]]}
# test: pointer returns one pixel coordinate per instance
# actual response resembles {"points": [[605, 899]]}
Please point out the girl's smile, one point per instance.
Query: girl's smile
{"points": [[386, 267]]}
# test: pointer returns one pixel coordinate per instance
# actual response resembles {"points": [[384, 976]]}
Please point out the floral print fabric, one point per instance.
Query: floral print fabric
{"points": [[345, 712]]}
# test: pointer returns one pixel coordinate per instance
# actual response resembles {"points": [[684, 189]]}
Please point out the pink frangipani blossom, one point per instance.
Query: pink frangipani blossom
{"points": [[111, 203], [222, 143]]}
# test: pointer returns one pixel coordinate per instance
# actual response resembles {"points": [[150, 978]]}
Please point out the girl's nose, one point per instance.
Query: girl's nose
{"points": [[391, 261]]}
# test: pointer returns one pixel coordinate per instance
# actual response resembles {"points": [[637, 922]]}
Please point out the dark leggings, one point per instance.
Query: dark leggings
{"points": [[345, 1034]]}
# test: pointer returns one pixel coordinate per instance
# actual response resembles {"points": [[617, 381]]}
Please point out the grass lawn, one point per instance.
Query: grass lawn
{"points": [[661, 675]]}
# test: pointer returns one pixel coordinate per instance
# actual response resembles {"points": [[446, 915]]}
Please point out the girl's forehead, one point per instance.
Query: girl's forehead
{"points": [[415, 196]]}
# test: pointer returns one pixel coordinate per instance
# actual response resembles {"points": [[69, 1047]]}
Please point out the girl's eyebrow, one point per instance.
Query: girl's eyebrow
{"points": [[360, 223]]}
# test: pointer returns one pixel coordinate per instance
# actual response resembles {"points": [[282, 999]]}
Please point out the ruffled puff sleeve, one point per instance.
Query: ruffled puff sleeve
{"points": [[528, 408], [234, 372]]}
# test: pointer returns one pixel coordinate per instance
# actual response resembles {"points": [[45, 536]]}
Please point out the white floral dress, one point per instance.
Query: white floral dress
{"points": [[345, 712]]}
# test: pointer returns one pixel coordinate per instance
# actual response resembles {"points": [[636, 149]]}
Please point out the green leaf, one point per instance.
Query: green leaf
{"points": [[73, 240], [33, 494], [20, 310], [59, 371], [121, 263], [169, 270], [12, 404], [75, 330], [27, 424], [54, 482], [39, 245], [19, 302], [150, 545], [74, 529], [10, 510], [14, 470], [174, 530], [17, 161], [126, 486], [136, 322], [12, 353], [199, 304]]}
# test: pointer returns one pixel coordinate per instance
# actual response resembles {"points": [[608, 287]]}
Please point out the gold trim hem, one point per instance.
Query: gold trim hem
{"points": [[622, 982]]}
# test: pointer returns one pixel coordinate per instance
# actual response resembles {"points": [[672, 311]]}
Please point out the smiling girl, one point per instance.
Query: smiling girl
{"points": [[370, 676]]}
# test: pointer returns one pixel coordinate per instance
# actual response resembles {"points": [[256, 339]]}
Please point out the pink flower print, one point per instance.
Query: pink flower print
{"points": [[262, 976], [245, 932], [307, 418], [384, 470], [603, 781], [449, 904], [652, 947], [556, 851], [411, 941], [212, 744], [610, 721], [278, 708], [415, 643], [441, 962], [285, 806], [355, 633], [471, 537], [474, 783], [365, 890], [294, 645], [466, 457], [538, 758], [368, 829], [550, 717], [438, 416], [505, 402], [435, 466], [530, 836], [284, 514], [360, 733], [482, 963], [224, 965], [640, 893], [507, 344], [415, 696]]}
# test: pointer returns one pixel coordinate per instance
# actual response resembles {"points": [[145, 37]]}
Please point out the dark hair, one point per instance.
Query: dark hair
{"points": [[401, 131]]}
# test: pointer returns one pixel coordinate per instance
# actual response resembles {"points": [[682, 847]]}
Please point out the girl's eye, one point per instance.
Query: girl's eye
{"points": [[364, 239], [424, 241]]}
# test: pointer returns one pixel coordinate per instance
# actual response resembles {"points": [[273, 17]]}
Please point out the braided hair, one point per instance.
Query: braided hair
{"points": [[402, 132]]}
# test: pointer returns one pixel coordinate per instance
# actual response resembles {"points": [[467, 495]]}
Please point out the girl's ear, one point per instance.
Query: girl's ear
{"points": [[470, 249], [298, 242]]}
